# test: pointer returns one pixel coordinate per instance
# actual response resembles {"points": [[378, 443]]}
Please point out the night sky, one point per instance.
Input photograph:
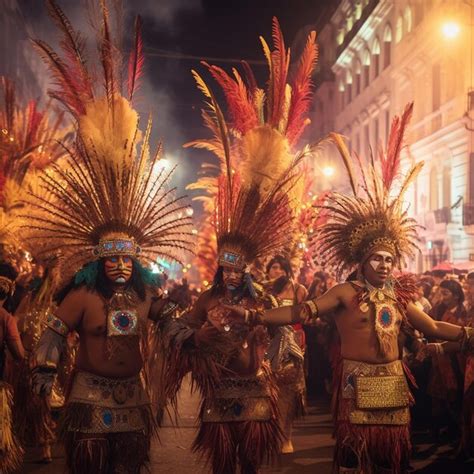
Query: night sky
{"points": [[177, 35]]}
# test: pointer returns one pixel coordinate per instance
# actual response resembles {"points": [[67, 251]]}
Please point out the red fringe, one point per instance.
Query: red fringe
{"points": [[252, 442]]}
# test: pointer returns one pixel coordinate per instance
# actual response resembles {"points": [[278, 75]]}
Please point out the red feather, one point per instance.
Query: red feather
{"points": [[390, 162], [249, 78], [34, 121], [66, 93], [107, 56], [72, 44], [241, 108], [136, 60], [280, 62], [301, 90]]}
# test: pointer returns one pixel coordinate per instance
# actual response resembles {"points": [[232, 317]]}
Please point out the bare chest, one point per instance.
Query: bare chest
{"points": [[100, 317]]}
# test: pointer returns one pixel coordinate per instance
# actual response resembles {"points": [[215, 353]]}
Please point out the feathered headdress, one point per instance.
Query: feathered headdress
{"points": [[255, 146], [112, 198], [29, 143], [375, 218]]}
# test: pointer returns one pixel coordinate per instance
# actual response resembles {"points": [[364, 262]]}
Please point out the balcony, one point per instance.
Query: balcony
{"points": [[468, 215], [443, 215]]}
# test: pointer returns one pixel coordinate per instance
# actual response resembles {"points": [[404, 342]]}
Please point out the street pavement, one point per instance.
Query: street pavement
{"points": [[311, 439]]}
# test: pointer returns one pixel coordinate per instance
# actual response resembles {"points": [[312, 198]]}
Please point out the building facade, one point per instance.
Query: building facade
{"points": [[384, 54]]}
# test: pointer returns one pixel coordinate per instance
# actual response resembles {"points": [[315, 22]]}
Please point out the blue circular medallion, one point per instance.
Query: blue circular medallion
{"points": [[107, 418]]}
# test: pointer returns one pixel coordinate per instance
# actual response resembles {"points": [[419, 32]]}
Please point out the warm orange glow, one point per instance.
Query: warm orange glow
{"points": [[328, 171], [451, 29]]}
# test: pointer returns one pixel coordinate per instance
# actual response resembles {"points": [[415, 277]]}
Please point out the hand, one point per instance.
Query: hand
{"points": [[207, 335], [237, 313], [43, 380]]}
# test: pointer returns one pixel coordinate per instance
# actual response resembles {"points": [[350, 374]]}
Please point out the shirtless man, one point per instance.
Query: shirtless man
{"points": [[238, 420], [107, 210], [108, 413]]}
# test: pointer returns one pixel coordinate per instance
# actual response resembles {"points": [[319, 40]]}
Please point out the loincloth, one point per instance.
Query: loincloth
{"points": [[239, 399], [374, 394], [106, 405], [374, 423]]}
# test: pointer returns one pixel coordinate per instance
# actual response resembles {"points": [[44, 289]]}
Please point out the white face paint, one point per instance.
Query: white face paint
{"points": [[379, 258]]}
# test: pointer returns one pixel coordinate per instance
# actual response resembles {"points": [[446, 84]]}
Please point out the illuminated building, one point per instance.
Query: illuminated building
{"points": [[384, 54]]}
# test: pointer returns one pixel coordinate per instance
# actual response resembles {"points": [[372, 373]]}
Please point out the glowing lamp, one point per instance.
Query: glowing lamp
{"points": [[451, 29], [328, 171]]}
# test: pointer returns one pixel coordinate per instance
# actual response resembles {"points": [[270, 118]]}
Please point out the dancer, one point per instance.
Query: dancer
{"points": [[252, 220], [372, 234], [29, 143], [286, 351], [110, 211]]}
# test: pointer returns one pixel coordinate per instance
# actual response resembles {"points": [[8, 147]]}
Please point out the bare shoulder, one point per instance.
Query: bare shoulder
{"points": [[344, 289]]}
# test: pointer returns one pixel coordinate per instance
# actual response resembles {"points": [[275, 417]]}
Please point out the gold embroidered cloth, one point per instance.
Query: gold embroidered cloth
{"points": [[377, 394]]}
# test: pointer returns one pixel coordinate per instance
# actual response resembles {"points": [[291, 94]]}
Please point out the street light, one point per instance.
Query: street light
{"points": [[451, 29], [328, 171]]}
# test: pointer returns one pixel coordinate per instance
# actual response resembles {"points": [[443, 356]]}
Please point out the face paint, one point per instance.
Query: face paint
{"points": [[381, 258], [118, 269], [232, 278], [378, 267]]}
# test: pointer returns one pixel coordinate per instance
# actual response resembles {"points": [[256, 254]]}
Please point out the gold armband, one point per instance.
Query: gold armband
{"points": [[313, 308], [57, 325]]}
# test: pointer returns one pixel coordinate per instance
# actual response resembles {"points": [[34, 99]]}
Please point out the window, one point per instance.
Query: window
{"points": [[387, 46], [408, 19], [376, 57], [447, 187], [399, 30], [436, 86], [366, 67], [341, 93], [349, 86], [433, 189], [357, 77]]}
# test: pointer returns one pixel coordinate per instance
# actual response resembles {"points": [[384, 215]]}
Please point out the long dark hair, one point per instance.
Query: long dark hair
{"points": [[280, 283], [98, 281], [456, 289]]}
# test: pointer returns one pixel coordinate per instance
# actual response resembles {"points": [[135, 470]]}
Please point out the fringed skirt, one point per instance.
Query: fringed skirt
{"points": [[291, 394], [240, 422], [107, 425], [11, 452], [375, 437], [31, 413]]}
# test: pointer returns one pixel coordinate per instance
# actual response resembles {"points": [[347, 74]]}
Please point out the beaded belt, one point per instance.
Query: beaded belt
{"points": [[116, 405], [239, 399]]}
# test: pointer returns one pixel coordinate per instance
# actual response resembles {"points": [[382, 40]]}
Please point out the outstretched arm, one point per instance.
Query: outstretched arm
{"points": [[306, 311], [431, 328]]}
